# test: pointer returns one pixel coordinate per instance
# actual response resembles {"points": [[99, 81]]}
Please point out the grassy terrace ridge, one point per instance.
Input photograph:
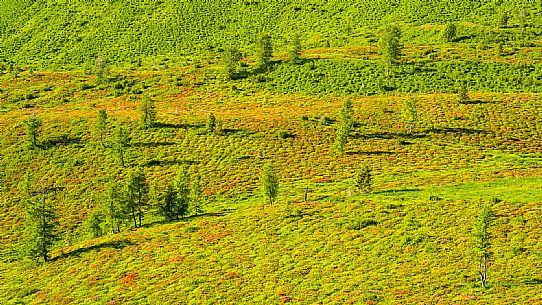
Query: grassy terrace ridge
{"points": [[449, 128]]}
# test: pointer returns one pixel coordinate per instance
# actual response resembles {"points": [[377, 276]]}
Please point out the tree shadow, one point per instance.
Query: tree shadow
{"points": [[235, 131], [195, 216], [152, 163], [118, 244], [463, 38], [389, 135], [177, 126], [59, 140], [395, 191], [476, 102], [533, 281], [457, 130], [152, 144], [370, 153]]}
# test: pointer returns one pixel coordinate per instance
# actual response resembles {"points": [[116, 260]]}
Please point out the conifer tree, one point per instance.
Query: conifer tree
{"points": [[210, 126], [231, 59], [196, 196], [449, 32], [121, 142], [270, 184], [390, 46], [363, 179], [295, 48], [101, 125], [33, 123], [113, 204], [482, 241], [264, 51], [410, 112], [148, 113], [136, 192], [42, 224], [346, 125]]}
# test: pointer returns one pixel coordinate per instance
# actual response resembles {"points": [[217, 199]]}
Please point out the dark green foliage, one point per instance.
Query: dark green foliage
{"points": [[210, 125], [51, 33], [33, 123], [197, 198], [137, 191], [343, 130], [390, 46], [121, 142], [264, 51], [294, 52], [449, 32], [410, 112], [94, 224], [361, 224], [42, 225], [269, 183], [113, 202], [363, 180], [503, 20], [100, 70], [101, 125], [148, 113], [463, 95], [482, 240], [176, 199], [230, 59]]}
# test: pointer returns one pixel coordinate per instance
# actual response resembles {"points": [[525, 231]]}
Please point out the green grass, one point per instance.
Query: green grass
{"points": [[409, 241]]}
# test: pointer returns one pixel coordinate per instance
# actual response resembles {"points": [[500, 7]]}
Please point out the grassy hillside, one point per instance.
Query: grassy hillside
{"points": [[409, 241], [63, 34]]}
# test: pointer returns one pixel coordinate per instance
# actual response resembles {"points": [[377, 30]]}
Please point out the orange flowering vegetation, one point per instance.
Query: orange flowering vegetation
{"points": [[405, 242]]}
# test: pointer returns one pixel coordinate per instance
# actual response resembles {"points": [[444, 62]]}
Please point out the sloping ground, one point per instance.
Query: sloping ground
{"points": [[56, 34], [385, 248]]}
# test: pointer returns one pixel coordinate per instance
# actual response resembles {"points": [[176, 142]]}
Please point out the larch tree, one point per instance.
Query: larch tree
{"points": [[148, 113], [346, 125], [101, 125], [42, 224], [33, 123], [121, 143], [264, 51], [294, 53], [270, 183], [231, 59], [136, 192], [482, 241], [390, 46], [410, 112], [112, 206]]}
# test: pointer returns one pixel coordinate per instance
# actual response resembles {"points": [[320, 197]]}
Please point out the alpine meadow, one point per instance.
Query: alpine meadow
{"points": [[270, 152]]}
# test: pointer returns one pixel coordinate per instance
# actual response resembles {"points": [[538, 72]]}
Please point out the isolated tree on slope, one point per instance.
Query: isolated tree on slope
{"points": [[270, 183], [42, 225], [295, 48], [390, 46], [32, 125], [264, 51], [410, 112], [120, 143], [101, 125], [482, 241], [449, 32], [148, 113], [345, 127], [231, 59]]}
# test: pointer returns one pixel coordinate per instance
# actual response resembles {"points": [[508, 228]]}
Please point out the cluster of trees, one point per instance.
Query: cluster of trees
{"points": [[231, 57], [123, 204]]}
